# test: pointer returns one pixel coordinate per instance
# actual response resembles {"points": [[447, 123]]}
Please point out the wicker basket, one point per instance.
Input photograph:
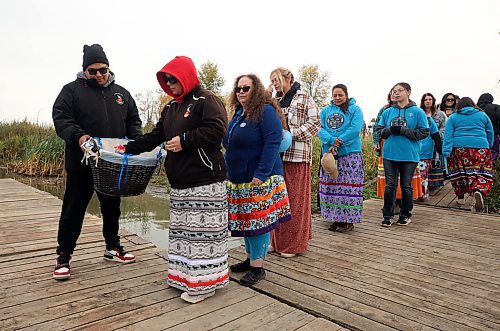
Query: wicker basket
{"points": [[120, 175]]}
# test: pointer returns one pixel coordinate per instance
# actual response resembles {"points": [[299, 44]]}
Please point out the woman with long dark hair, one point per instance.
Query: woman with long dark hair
{"points": [[448, 104], [468, 139], [434, 168], [341, 199]]}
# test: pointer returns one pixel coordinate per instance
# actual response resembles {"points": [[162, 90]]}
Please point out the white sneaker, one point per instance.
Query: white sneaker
{"points": [[271, 249], [118, 254], [195, 298], [62, 268], [479, 200], [287, 255], [461, 201]]}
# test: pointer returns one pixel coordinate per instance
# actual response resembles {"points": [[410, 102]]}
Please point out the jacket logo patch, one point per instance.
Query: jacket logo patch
{"points": [[119, 98], [188, 111], [335, 121]]}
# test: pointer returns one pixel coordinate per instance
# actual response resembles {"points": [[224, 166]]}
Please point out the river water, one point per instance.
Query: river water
{"points": [[146, 215]]}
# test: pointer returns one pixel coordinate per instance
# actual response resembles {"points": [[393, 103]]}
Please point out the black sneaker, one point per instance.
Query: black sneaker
{"points": [[62, 268], [387, 222], [403, 221], [240, 267], [252, 277], [118, 254]]}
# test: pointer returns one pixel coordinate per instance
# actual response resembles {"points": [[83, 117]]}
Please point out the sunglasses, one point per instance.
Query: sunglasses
{"points": [[239, 89], [93, 72], [171, 79], [450, 99]]}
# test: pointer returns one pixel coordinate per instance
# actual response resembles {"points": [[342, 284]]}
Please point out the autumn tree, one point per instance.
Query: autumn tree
{"points": [[150, 105], [316, 83], [210, 78]]}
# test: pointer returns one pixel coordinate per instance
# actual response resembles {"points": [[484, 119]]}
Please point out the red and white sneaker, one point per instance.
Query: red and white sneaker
{"points": [[118, 254], [62, 268]]}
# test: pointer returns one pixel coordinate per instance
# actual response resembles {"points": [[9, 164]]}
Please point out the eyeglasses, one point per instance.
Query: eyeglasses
{"points": [[171, 79], [93, 71], [239, 89], [450, 99]]}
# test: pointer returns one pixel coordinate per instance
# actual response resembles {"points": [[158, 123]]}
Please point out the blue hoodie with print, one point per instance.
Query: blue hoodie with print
{"points": [[335, 124], [432, 142], [404, 146], [468, 127]]}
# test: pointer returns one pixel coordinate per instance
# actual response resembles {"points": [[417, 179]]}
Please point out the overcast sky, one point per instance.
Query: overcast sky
{"points": [[437, 46]]}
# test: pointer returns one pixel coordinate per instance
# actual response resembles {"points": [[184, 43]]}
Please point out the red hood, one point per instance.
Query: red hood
{"points": [[182, 68]]}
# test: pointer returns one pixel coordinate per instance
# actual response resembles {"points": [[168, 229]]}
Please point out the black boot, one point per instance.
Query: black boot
{"points": [[253, 276], [241, 266]]}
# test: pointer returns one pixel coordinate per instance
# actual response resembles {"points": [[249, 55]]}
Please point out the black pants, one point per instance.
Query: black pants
{"points": [[79, 191], [405, 170]]}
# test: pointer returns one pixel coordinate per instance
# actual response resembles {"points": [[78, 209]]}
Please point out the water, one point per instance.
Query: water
{"points": [[146, 215]]}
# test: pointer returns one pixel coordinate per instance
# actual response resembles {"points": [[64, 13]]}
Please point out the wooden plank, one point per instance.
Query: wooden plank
{"points": [[31, 310], [83, 318], [291, 321], [174, 312], [46, 288], [257, 318], [55, 312], [321, 324], [226, 314]]}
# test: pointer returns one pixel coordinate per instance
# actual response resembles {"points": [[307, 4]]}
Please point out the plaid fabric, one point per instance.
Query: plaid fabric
{"points": [[304, 123]]}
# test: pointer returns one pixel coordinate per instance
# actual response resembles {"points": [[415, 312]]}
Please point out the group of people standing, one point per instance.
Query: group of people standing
{"points": [[456, 139], [254, 189]]}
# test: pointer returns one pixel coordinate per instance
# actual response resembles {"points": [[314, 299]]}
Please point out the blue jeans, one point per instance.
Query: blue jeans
{"points": [[405, 170], [257, 246]]}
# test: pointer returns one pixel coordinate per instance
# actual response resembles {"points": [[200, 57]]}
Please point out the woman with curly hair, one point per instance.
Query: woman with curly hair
{"points": [[257, 195]]}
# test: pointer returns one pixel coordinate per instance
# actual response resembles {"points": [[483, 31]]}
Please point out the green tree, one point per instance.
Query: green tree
{"points": [[316, 83], [210, 78]]}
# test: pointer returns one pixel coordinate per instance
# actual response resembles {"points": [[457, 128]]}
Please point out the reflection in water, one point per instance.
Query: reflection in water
{"points": [[146, 215]]}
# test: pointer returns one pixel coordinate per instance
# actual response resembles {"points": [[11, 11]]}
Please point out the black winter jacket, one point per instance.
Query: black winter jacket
{"points": [[492, 110], [83, 107], [200, 121]]}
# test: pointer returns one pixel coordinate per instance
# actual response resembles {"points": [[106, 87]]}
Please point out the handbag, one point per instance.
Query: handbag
{"points": [[329, 164]]}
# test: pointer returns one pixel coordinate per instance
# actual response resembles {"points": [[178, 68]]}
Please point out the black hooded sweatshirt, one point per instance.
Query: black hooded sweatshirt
{"points": [[199, 118], [485, 102]]}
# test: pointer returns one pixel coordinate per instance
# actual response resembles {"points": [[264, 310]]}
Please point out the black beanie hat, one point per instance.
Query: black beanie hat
{"points": [[93, 54]]}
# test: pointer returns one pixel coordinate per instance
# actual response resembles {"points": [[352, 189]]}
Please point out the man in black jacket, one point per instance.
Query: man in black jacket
{"points": [[91, 106], [493, 111]]}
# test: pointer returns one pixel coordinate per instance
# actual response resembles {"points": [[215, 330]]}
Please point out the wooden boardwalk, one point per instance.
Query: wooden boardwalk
{"points": [[442, 272], [103, 295]]}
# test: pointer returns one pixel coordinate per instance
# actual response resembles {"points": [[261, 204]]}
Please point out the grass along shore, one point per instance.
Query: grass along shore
{"points": [[35, 150]]}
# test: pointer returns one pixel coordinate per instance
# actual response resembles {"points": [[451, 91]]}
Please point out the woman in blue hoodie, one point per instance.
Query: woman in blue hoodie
{"points": [[402, 126], [341, 199], [256, 189], [468, 139]]}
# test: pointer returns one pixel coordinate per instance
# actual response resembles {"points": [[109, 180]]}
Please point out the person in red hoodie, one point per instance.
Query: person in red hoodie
{"points": [[193, 125]]}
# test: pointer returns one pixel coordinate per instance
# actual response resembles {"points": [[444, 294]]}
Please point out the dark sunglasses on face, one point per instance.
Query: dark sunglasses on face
{"points": [[171, 79], [450, 99], [102, 71], [238, 89]]}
